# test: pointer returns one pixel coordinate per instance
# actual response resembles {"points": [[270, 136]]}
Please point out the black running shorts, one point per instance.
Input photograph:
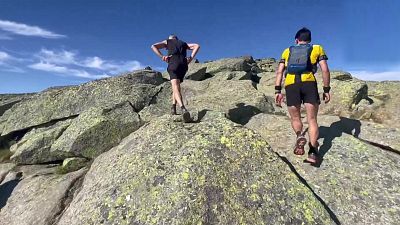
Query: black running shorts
{"points": [[177, 71], [302, 92]]}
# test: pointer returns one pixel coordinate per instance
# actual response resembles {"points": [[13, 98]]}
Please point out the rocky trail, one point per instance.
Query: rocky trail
{"points": [[107, 152]]}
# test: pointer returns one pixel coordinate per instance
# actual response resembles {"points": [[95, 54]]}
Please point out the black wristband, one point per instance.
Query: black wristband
{"points": [[327, 89], [278, 89]]}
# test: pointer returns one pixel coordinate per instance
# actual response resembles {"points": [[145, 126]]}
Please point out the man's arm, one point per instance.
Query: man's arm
{"points": [[156, 49], [278, 84], [326, 78], [195, 48], [279, 74], [326, 75]]}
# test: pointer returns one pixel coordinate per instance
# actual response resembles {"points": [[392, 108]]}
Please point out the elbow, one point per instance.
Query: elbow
{"points": [[154, 47]]}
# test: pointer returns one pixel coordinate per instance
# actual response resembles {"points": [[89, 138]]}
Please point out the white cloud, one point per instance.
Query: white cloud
{"points": [[4, 56], [7, 61], [49, 67], [94, 62], [67, 63], [5, 37], [126, 66], [71, 63], [57, 57], [64, 57], [13, 69], [27, 30], [377, 76], [111, 66]]}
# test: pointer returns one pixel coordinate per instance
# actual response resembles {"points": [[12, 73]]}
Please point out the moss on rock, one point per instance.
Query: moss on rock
{"points": [[138, 88], [212, 172], [358, 181], [35, 146], [96, 131], [71, 165]]}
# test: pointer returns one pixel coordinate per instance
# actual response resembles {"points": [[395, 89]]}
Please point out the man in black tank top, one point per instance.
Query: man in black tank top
{"points": [[177, 67]]}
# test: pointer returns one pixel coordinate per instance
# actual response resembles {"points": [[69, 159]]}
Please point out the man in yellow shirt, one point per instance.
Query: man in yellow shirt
{"points": [[300, 64]]}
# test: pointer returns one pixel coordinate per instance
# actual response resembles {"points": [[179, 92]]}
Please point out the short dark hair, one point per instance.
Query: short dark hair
{"points": [[172, 36], [303, 34]]}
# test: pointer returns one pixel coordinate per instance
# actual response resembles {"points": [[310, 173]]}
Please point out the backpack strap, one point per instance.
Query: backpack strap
{"points": [[309, 65]]}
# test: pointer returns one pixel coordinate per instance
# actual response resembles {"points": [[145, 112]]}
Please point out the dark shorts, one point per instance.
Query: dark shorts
{"points": [[303, 92], [177, 71]]}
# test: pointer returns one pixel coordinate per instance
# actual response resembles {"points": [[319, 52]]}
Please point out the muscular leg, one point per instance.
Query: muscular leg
{"points": [[173, 107], [312, 111], [173, 99], [176, 91], [295, 118]]}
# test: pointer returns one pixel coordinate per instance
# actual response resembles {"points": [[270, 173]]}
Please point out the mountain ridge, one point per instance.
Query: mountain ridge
{"points": [[106, 152]]}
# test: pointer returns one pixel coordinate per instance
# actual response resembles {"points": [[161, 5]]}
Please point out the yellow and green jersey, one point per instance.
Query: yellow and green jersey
{"points": [[317, 54]]}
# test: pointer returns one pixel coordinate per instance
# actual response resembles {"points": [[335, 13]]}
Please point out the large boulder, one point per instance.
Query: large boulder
{"points": [[38, 200], [239, 68], [4, 169], [266, 65], [201, 71], [240, 101], [382, 105], [230, 64], [72, 164], [232, 75], [159, 105], [339, 75], [35, 146], [138, 88], [267, 83], [196, 71], [5, 152], [94, 131], [8, 100], [365, 100], [97, 130], [357, 181], [29, 171], [346, 95], [212, 172], [376, 134]]}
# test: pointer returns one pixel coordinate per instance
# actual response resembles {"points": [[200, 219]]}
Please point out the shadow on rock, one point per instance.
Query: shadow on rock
{"points": [[242, 113], [6, 190], [336, 129], [255, 78], [201, 115]]}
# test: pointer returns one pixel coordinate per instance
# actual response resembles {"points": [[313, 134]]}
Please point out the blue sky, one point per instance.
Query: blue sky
{"points": [[47, 43]]}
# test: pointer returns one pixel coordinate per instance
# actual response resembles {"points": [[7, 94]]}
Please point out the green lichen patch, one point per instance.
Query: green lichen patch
{"points": [[213, 172], [71, 165]]}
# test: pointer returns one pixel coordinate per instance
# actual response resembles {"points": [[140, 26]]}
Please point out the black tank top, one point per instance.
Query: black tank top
{"points": [[177, 51]]}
